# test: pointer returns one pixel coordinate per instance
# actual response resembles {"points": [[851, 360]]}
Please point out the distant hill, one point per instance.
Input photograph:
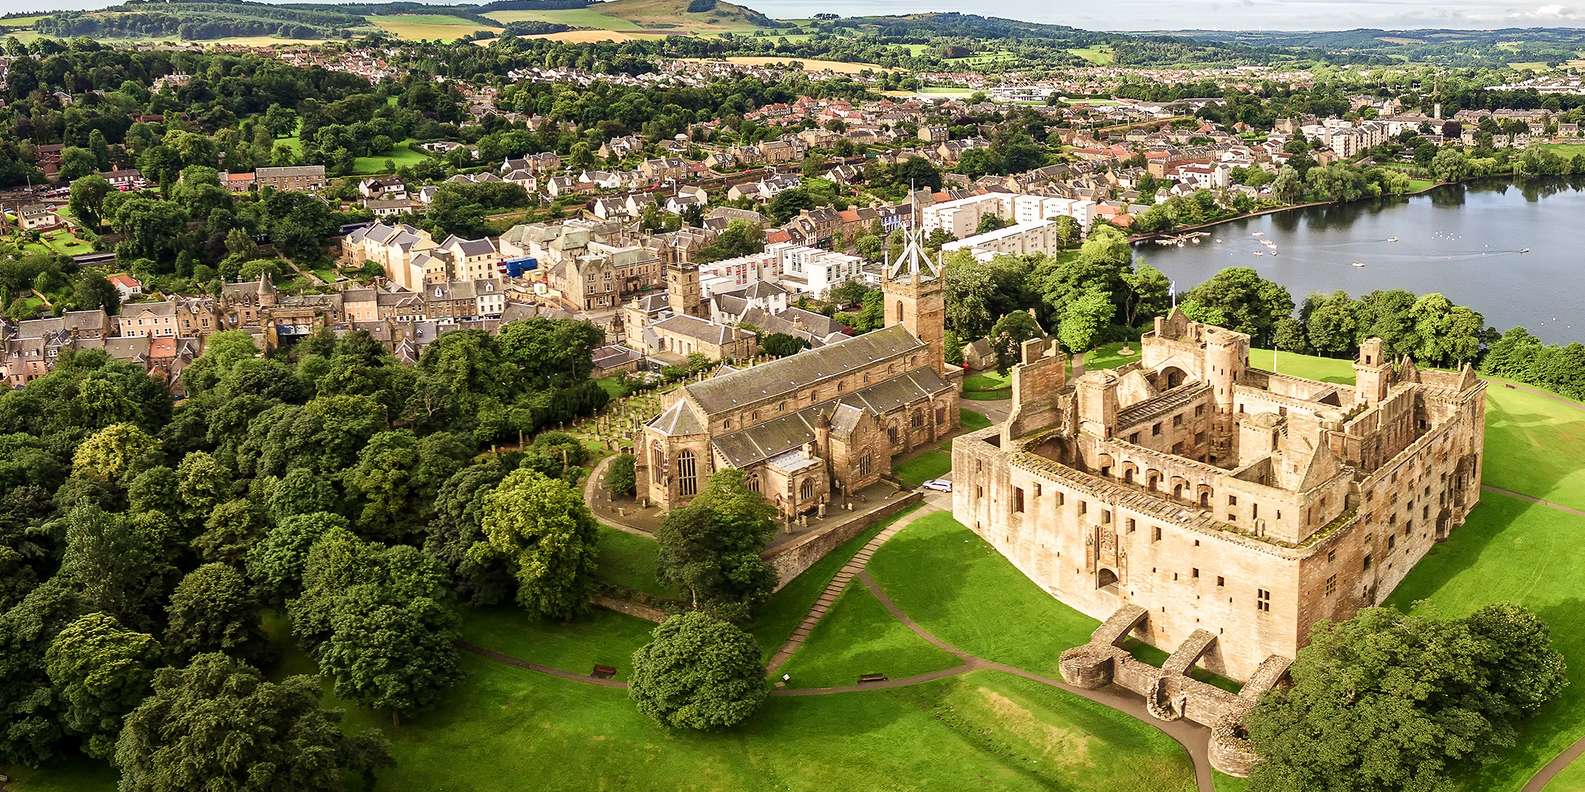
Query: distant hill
{"points": [[694, 15]]}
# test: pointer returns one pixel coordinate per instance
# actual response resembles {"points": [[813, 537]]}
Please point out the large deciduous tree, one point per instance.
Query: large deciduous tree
{"points": [[216, 724], [698, 672], [101, 670], [214, 609], [713, 547], [547, 536], [1394, 703]]}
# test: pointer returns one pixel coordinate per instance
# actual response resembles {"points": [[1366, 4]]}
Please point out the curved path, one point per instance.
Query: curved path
{"points": [[591, 490], [1194, 739]]}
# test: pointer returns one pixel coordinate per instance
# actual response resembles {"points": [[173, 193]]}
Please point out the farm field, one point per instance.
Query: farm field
{"points": [[578, 17], [808, 64], [442, 27], [1100, 55]]}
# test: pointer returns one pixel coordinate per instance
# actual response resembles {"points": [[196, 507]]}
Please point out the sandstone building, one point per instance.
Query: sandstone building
{"points": [[1216, 509], [820, 422]]}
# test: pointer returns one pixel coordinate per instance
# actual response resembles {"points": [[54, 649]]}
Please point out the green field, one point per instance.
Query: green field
{"points": [[1100, 55], [20, 21], [603, 637], [859, 637], [1572, 779], [1513, 551], [402, 153], [415, 27], [780, 616], [576, 17], [628, 561], [936, 462], [952, 582], [1565, 149]]}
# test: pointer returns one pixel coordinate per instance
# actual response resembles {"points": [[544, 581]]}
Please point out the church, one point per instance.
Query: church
{"points": [[820, 423]]}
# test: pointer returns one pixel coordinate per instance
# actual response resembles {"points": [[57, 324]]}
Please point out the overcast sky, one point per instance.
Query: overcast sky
{"points": [[1162, 14]]}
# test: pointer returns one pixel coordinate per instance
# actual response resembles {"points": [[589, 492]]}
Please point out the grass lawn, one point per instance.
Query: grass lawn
{"points": [[1512, 551], [987, 384], [958, 587], [611, 385], [922, 467], [326, 274], [1109, 356], [1535, 445], [1565, 149], [605, 637], [629, 561], [1572, 779], [972, 421], [78, 775], [984, 730], [779, 617], [1158, 657], [1227, 783], [859, 637], [441, 27], [402, 153]]}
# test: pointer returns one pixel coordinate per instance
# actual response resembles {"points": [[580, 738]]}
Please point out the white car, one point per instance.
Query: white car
{"points": [[939, 485]]}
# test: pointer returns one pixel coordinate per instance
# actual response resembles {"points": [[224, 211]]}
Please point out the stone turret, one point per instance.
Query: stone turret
{"points": [[1372, 374], [1097, 392]]}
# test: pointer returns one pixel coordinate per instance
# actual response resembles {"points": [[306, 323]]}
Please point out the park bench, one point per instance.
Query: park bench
{"points": [[868, 678], [603, 671]]}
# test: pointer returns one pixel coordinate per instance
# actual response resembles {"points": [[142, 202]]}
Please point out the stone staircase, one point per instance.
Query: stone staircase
{"points": [[833, 590], [1266, 676], [1182, 658], [1119, 625]]}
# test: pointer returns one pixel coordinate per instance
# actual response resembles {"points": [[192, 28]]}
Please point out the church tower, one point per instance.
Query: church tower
{"points": [[914, 288], [683, 294]]}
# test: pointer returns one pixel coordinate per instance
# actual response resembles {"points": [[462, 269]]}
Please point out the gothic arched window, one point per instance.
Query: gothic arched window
{"points": [[687, 474]]}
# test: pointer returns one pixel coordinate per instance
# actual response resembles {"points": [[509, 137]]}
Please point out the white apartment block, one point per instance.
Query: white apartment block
{"points": [[811, 270], [961, 218], [1039, 236]]}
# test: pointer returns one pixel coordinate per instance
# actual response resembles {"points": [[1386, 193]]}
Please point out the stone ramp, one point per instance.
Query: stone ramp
{"points": [[1182, 658], [1119, 625], [1266, 676], [833, 590]]}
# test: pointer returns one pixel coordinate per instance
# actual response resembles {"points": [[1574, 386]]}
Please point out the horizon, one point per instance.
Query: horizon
{"points": [[1137, 16]]}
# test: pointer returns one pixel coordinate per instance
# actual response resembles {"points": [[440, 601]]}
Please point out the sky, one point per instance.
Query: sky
{"points": [[1160, 14]]}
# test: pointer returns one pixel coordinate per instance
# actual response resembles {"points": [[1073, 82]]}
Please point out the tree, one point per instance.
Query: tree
{"points": [[781, 344], [1239, 299], [548, 537], [276, 562], [378, 622], [113, 451], [1331, 323], [203, 483], [1083, 323], [969, 293], [231, 529], [1449, 335], [619, 478], [1391, 702], [479, 578], [1288, 187], [213, 609], [713, 547], [1008, 335], [118, 563], [88, 200], [1149, 294], [699, 673], [102, 671], [217, 724]]}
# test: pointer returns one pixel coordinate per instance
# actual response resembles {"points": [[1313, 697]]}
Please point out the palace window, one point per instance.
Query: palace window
{"points": [[687, 474], [1331, 585], [1366, 565], [806, 490], [1018, 500], [753, 483], [1155, 533], [1263, 600], [941, 415], [918, 418], [657, 462], [866, 465]]}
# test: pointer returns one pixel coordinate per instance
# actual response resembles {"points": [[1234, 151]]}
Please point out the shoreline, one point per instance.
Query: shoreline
{"points": [[1138, 238]]}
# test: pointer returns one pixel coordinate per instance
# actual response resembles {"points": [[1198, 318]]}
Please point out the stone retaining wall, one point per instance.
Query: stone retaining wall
{"points": [[790, 560]]}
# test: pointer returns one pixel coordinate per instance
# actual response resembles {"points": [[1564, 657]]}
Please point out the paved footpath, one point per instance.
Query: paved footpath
{"points": [[839, 582]]}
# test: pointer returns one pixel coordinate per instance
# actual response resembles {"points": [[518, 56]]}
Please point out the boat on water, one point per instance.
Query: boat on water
{"points": [[1357, 264], [1392, 239], [1524, 250], [1258, 253], [1257, 233]]}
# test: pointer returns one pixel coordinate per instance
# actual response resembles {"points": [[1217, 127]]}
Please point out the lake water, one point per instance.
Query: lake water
{"points": [[1464, 241]]}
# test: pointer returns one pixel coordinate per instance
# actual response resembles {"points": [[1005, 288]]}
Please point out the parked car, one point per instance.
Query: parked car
{"points": [[939, 485]]}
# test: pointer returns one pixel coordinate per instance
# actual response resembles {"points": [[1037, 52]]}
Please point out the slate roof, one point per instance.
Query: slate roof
{"points": [[704, 330], [792, 373], [679, 419], [762, 441]]}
